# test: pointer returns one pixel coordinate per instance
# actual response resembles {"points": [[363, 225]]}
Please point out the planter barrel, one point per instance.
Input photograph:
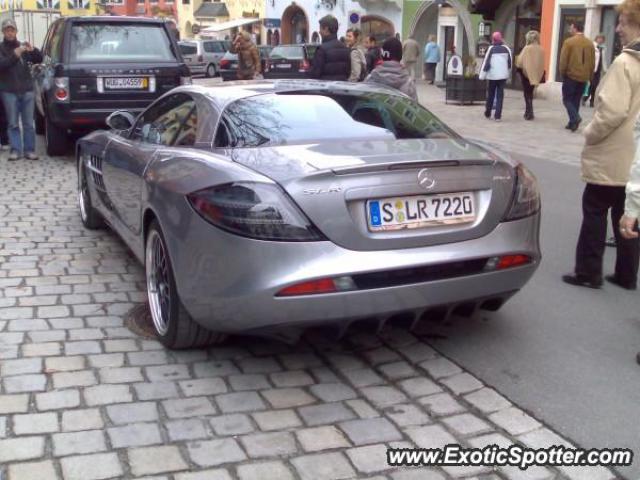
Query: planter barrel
{"points": [[465, 90]]}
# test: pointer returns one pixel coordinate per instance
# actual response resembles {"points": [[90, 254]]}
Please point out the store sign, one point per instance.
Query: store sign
{"points": [[455, 66], [271, 23]]}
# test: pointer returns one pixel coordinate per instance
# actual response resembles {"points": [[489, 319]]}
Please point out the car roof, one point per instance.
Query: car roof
{"points": [[226, 92], [114, 19]]}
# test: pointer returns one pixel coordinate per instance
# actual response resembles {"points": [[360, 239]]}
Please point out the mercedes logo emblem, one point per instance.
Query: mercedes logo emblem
{"points": [[425, 180]]}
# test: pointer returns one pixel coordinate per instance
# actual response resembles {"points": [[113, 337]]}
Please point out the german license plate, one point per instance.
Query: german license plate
{"points": [[233, 65], [420, 211], [283, 65], [130, 83]]}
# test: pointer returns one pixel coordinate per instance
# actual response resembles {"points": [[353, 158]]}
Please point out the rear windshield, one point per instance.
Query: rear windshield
{"points": [[188, 48], [290, 52], [277, 119], [117, 42]]}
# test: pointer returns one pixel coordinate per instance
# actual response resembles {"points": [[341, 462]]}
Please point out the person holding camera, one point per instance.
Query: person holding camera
{"points": [[16, 87]]}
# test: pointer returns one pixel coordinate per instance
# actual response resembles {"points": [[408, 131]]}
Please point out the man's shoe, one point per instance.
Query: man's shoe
{"points": [[569, 126], [487, 115], [13, 156], [626, 285], [31, 156], [580, 281], [5, 148], [574, 127], [498, 119]]}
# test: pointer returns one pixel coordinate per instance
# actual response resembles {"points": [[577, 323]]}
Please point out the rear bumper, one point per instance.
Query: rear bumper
{"points": [[228, 75], [236, 291], [69, 116], [271, 75]]}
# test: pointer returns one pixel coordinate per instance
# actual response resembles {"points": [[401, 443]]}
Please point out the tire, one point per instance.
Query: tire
{"points": [[55, 139], [90, 217], [173, 325], [39, 121], [210, 72]]}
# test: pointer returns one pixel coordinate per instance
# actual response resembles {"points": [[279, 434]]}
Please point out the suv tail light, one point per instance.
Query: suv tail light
{"points": [[61, 89], [225, 63], [305, 66]]}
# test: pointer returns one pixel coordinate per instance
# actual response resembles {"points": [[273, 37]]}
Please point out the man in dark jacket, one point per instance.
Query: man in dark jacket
{"points": [[16, 86], [332, 60], [373, 52]]}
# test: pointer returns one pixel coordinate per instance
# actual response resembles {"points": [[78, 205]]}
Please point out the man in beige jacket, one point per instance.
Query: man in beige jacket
{"points": [[606, 159], [410, 55]]}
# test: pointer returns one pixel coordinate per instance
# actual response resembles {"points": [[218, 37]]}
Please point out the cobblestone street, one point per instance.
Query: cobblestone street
{"points": [[82, 397]]}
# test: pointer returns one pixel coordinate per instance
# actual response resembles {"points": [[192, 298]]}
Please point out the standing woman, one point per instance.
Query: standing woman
{"points": [[496, 68], [530, 64]]}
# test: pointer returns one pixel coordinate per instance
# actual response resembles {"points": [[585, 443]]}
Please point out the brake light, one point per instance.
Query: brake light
{"points": [[224, 63], [507, 261], [322, 285], [200, 58], [305, 66], [61, 89]]}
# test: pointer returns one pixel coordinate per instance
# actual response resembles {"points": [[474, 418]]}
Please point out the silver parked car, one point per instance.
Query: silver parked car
{"points": [[266, 207], [203, 56]]}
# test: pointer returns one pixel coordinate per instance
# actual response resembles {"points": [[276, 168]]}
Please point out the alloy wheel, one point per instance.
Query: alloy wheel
{"points": [[157, 272]]}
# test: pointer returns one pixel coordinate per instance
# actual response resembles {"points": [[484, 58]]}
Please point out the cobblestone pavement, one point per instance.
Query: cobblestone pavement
{"points": [[545, 137], [84, 398]]}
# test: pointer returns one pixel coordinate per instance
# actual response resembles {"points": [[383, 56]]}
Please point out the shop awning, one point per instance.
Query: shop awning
{"points": [[219, 27]]}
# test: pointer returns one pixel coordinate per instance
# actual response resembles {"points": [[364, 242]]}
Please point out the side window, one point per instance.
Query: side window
{"points": [[48, 41], [55, 49], [187, 135], [218, 48], [208, 47], [161, 122], [223, 135]]}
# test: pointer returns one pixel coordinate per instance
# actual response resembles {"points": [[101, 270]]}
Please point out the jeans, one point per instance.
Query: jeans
{"points": [[571, 96], [19, 106], [596, 202], [527, 89], [495, 91], [430, 72]]}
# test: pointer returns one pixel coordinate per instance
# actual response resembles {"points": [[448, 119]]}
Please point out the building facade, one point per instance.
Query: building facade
{"points": [[142, 8]]}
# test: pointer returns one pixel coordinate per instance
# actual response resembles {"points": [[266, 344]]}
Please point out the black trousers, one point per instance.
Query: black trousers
{"points": [[4, 135], [495, 90], [597, 200], [595, 81], [527, 90], [430, 72]]}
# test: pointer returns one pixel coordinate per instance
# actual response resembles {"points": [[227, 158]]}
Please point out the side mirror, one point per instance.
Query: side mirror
{"points": [[120, 120]]}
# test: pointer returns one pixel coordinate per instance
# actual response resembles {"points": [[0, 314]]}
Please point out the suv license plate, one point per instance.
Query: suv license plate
{"points": [[420, 211], [131, 83]]}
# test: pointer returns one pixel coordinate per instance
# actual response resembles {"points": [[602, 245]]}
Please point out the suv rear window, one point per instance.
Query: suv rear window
{"points": [[287, 51], [188, 48], [117, 42]]}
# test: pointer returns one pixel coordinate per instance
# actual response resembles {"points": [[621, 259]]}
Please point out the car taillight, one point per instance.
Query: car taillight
{"points": [[507, 261], [224, 63], [256, 210], [61, 89], [526, 196], [305, 66], [322, 285], [200, 58]]}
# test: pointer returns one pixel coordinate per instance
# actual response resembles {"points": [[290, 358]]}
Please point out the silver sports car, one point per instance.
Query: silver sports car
{"points": [[268, 207]]}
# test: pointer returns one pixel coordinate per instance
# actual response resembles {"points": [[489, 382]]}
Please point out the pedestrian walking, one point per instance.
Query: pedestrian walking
{"points": [[332, 60], [373, 52], [600, 69], [431, 59], [248, 56], [496, 68], [410, 55], [606, 162], [358, 56], [16, 86], [391, 72], [577, 62], [530, 64]]}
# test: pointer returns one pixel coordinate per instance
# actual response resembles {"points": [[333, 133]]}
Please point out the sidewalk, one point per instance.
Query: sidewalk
{"points": [[544, 137]]}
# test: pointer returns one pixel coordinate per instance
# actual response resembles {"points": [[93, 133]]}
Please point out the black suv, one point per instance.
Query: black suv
{"points": [[94, 66], [290, 61]]}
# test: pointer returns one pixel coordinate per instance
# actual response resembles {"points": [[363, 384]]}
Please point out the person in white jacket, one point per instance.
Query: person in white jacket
{"points": [[629, 221], [496, 68]]}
